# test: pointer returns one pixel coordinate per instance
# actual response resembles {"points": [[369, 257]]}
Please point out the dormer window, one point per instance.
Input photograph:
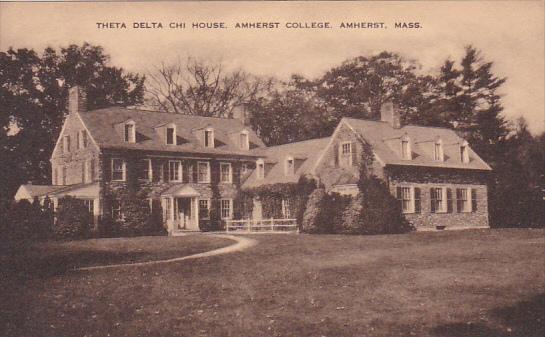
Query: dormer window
{"points": [[438, 150], [260, 167], [208, 138], [290, 166], [464, 152], [244, 140], [171, 135], [406, 148], [130, 132]]}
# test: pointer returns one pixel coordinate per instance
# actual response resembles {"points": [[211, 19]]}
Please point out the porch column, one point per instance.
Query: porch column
{"points": [[195, 201], [172, 211]]}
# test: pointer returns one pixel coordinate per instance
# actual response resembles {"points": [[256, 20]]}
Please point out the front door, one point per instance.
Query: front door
{"points": [[184, 213]]}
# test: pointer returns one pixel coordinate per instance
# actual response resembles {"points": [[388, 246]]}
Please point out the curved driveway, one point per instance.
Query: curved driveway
{"points": [[242, 243]]}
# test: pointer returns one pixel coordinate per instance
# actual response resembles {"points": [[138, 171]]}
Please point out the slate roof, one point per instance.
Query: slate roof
{"points": [[386, 143], [101, 125], [305, 154]]}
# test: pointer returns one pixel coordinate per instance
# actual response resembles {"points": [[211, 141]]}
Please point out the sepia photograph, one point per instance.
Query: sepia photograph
{"points": [[272, 168]]}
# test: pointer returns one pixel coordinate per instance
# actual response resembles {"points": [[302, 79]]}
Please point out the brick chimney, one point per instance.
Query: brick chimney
{"points": [[77, 100], [239, 112], [390, 113]]}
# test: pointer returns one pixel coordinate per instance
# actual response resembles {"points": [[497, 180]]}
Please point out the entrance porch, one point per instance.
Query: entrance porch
{"points": [[180, 209]]}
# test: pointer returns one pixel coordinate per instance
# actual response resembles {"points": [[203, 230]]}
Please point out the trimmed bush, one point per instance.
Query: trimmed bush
{"points": [[351, 217], [73, 219], [312, 216], [136, 214]]}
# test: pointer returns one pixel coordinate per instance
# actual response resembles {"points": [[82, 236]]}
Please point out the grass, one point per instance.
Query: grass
{"points": [[465, 283]]}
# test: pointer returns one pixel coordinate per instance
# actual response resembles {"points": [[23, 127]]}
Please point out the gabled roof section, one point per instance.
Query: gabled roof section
{"points": [[305, 154], [29, 191], [101, 125], [384, 140]]}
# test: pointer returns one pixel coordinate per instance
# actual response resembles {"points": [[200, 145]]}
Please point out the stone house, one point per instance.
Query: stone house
{"points": [[190, 166]]}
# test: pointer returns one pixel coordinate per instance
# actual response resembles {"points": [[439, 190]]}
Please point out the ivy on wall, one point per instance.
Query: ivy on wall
{"points": [[271, 197]]}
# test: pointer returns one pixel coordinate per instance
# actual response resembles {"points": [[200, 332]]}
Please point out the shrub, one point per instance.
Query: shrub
{"points": [[73, 219], [312, 216], [351, 217], [19, 222]]}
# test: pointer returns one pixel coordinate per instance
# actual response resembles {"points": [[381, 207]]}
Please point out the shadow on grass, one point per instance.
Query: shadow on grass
{"points": [[33, 265], [524, 319]]}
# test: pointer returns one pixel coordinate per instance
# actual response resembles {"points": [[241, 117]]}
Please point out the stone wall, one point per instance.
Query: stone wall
{"points": [[427, 178], [74, 160]]}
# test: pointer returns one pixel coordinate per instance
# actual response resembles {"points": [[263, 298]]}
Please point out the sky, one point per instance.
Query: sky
{"points": [[511, 34]]}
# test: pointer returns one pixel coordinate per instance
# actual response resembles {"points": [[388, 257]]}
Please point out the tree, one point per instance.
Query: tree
{"points": [[33, 104], [200, 88]]}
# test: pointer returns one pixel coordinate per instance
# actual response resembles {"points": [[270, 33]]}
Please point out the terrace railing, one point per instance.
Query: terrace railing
{"points": [[262, 225]]}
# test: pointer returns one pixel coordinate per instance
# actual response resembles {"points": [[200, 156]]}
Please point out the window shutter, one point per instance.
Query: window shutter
{"points": [[449, 200], [432, 200], [336, 154], [354, 154], [459, 201], [417, 203], [165, 169], [473, 200], [107, 169]]}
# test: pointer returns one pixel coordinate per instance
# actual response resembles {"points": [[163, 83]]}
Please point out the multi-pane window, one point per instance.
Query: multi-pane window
{"points": [[226, 208], [405, 149], [244, 169], [406, 197], [83, 138], [463, 200], [174, 170], [203, 172], [90, 204], [346, 154], [208, 138], [55, 177], [66, 143], [225, 170], [244, 144], [204, 209], [168, 209], [116, 210], [260, 167], [286, 205], [118, 169], [170, 136], [130, 134], [84, 172], [290, 166], [91, 172], [464, 154], [438, 152], [144, 169], [438, 201]]}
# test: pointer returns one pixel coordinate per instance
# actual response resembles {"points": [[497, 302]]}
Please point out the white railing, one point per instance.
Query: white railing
{"points": [[263, 225]]}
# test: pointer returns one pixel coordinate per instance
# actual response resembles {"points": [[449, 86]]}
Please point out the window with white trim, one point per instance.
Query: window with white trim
{"points": [[438, 151], [226, 175], [260, 167], [464, 153], [406, 200], [90, 204], [345, 155], [171, 135], [174, 170], [226, 208], [244, 169], [286, 208], [203, 172], [144, 169], [204, 209], [208, 138], [116, 210], [63, 178], [118, 169], [406, 148], [85, 172], [290, 166], [130, 132], [438, 200], [66, 143], [463, 200], [244, 142], [83, 138]]}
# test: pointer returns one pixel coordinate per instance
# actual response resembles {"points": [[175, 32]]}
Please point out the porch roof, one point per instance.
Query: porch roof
{"points": [[180, 191]]}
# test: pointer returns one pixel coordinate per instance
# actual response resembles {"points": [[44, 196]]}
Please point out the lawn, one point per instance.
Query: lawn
{"points": [[486, 283]]}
